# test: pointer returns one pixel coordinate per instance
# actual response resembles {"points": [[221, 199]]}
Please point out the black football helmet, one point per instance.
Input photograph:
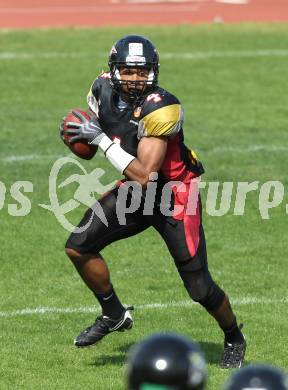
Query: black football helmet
{"points": [[134, 51], [258, 377], [166, 361]]}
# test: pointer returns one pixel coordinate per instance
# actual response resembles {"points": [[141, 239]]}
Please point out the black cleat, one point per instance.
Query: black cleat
{"points": [[102, 326], [233, 355]]}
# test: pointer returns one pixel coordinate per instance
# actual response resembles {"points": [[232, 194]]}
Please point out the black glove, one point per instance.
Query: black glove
{"points": [[87, 130]]}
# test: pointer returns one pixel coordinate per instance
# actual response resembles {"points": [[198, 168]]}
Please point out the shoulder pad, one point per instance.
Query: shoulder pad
{"points": [[93, 94], [166, 121], [159, 98], [92, 100], [105, 75]]}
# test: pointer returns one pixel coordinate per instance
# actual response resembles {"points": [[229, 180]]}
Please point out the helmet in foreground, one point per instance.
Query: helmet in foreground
{"points": [[134, 51], [258, 377], [166, 361]]}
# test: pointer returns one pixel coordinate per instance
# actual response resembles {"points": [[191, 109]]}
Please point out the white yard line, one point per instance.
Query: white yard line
{"points": [[4, 56], [247, 149], [28, 157], [37, 157], [94, 309], [221, 149], [226, 54], [45, 55]]}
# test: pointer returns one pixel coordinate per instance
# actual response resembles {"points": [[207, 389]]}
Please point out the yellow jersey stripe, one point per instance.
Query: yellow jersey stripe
{"points": [[166, 121]]}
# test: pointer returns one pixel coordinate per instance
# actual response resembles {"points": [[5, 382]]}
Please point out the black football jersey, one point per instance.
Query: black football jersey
{"points": [[160, 114]]}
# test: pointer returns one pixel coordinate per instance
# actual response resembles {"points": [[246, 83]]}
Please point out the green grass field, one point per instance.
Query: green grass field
{"points": [[231, 81]]}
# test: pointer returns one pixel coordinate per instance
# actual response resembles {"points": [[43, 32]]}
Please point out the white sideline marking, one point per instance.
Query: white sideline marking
{"points": [[93, 309], [182, 56]]}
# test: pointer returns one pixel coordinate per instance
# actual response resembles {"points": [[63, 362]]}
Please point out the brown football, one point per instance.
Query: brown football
{"points": [[81, 149]]}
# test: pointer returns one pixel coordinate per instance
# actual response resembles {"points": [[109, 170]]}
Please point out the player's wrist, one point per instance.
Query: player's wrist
{"points": [[104, 143], [118, 157], [115, 154]]}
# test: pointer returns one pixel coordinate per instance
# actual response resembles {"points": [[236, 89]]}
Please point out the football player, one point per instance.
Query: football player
{"points": [[258, 377], [164, 362], [138, 126]]}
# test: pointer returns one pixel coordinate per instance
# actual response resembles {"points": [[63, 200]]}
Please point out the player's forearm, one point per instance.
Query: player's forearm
{"points": [[139, 172], [127, 164], [150, 155]]}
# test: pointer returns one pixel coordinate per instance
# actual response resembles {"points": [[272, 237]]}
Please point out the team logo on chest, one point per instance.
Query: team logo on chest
{"points": [[137, 112]]}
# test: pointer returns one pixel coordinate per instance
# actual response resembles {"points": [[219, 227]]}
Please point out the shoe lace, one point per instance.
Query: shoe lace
{"points": [[99, 323], [102, 323]]}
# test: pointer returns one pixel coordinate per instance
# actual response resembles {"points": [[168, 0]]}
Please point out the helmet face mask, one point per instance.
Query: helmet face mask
{"points": [[135, 52]]}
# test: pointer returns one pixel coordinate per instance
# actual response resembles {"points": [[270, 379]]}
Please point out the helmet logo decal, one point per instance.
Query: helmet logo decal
{"points": [[135, 49], [161, 364], [113, 50]]}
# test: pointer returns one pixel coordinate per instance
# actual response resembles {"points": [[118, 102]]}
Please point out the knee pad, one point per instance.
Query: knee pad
{"points": [[214, 298], [202, 288]]}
